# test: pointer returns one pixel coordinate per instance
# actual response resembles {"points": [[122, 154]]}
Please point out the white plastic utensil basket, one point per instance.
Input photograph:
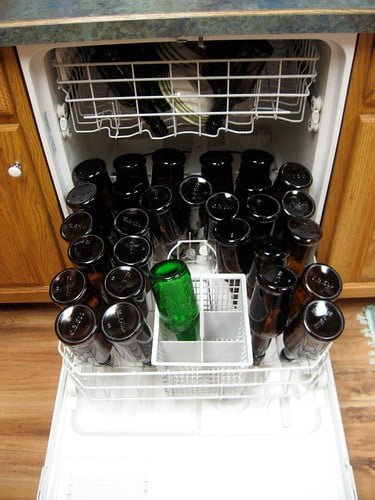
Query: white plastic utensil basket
{"points": [[223, 350], [223, 326]]}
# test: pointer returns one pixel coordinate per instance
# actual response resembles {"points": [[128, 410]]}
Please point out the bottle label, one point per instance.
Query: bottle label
{"points": [[320, 323], [323, 282], [121, 321], [76, 324], [130, 221]]}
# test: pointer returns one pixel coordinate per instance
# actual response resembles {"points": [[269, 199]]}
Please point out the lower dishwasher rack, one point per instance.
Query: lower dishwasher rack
{"points": [[273, 378]]}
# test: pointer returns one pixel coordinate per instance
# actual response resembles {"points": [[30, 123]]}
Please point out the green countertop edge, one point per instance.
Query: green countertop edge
{"points": [[86, 29]]}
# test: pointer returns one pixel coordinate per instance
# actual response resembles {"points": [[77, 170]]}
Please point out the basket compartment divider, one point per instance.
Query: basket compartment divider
{"points": [[201, 316]]}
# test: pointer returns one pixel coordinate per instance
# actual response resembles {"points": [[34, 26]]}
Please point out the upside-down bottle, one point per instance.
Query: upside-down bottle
{"points": [[173, 290], [318, 281], [269, 306], [309, 335]]}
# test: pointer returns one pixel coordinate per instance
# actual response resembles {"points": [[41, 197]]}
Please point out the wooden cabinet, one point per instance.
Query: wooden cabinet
{"points": [[349, 216], [31, 250]]}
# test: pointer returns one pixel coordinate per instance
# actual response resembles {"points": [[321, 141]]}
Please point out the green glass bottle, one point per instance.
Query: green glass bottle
{"points": [[173, 290]]}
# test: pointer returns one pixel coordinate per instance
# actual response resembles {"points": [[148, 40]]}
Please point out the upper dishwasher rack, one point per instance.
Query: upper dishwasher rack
{"points": [[170, 94]]}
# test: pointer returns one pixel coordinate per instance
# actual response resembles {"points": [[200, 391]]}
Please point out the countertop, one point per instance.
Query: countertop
{"points": [[47, 21]]}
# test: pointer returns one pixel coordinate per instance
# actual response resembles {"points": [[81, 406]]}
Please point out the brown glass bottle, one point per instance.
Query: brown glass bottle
{"points": [[244, 190], [70, 286], [219, 207], [126, 283], [291, 177], [132, 221], [303, 238], [90, 253], [157, 202], [128, 196], [293, 204], [76, 224], [77, 327], [131, 169], [216, 167], [85, 197], [262, 213], [133, 250], [309, 335], [194, 192], [125, 328], [168, 166], [318, 281], [94, 170], [233, 246], [255, 167], [267, 250], [269, 306]]}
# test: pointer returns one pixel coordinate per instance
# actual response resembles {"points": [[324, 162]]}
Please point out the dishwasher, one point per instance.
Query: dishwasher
{"points": [[194, 430]]}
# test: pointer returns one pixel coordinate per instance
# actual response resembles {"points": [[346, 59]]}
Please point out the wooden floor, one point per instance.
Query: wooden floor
{"points": [[30, 367]]}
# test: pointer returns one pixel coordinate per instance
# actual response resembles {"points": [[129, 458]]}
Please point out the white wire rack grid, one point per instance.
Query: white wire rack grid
{"points": [[123, 380], [280, 92]]}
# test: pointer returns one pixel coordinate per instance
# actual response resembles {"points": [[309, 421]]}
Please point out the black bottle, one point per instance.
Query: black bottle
{"points": [[77, 326], [269, 306], [268, 250], [125, 328], [294, 204], [126, 283], [246, 49], [233, 246], [219, 207], [291, 177], [90, 253], [94, 170], [126, 89], [133, 221], [262, 213], [255, 167], [157, 202], [216, 167], [303, 238], [131, 169], [194, 192], [309, 335], [85, 197], [71, 286], [76, 224], [168, 166]]}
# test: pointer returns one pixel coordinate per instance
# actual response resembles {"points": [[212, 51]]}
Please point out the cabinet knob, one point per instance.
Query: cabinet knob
{"points": [[15, 170]]}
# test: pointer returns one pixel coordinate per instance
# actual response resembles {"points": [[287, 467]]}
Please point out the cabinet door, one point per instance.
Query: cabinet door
{"points": [[353, 250], [28, 256], [349, 217], [6, 102]]}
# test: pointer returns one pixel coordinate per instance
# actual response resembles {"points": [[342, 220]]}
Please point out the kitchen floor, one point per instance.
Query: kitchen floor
{"points": [[29, 372]]}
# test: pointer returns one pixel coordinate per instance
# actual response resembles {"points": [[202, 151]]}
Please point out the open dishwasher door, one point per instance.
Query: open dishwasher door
{"points": [[283, 439]]}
